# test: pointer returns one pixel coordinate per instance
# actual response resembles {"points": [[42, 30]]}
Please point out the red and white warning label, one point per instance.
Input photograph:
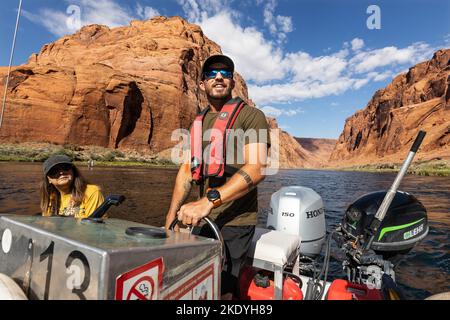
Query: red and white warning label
{"points": [[201, 285], [142, 283]]}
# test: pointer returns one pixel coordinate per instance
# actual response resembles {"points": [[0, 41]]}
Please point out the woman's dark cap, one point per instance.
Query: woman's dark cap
{"points": [[55, 160], [218, 59]]}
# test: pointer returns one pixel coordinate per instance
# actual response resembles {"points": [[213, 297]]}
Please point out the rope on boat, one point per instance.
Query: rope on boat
{"points": [[10, 62]]}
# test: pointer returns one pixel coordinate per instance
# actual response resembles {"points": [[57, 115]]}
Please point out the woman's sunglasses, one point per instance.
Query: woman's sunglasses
{"points": [[58, 170], [211, 74]]}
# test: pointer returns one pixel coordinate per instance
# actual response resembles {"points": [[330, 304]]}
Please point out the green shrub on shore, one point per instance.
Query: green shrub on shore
{"points": [[11, 153], [39, 152], [432, 168], [423, 168], [111, 156]]}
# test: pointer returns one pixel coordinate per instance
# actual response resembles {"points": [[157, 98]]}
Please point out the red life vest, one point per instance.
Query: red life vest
{"points": [[214, 165]]}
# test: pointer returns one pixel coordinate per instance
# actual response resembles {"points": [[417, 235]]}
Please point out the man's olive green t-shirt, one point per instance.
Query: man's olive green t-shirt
{"points": [[250, 127]]}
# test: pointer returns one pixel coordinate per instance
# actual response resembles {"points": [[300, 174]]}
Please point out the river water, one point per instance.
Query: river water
{"points": [[423, 271]]}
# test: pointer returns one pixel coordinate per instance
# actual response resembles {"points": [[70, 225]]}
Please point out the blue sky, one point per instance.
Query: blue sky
{"points": [[309, 63]]}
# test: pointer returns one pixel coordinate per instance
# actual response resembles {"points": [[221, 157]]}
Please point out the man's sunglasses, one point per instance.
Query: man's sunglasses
{"points": [[56, 171], [211, 74]]}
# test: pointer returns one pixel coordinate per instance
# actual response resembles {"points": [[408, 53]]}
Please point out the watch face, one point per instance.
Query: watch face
{"points": [[213, 195]]}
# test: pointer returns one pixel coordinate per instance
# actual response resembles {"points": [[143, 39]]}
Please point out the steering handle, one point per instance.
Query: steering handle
{"points": [[215, 230]]}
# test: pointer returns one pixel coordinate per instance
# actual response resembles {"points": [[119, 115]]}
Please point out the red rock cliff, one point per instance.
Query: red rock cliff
{"points": [[127, 87], [319, 149], [385, 130]]}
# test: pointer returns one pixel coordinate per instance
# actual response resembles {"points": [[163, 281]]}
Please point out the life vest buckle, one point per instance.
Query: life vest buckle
{"points": [[195, 163]]}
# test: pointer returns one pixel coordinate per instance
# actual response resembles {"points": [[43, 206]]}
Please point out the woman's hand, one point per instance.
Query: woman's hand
{"points": [[191, 213]]}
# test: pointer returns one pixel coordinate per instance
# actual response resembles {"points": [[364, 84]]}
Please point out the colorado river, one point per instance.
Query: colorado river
{"points": [[422, 272]]}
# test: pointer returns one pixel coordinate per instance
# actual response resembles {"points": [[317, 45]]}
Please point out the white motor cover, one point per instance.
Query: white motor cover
{"points": [[299, 211], [9, 289], [274, 246]]}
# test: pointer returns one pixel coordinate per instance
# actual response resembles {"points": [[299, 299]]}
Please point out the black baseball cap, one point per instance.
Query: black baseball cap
{"points": [[55, 160], [218, 58]]}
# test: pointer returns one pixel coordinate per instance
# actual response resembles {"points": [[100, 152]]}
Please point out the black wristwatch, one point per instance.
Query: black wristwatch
{"points": [[214, 196]]}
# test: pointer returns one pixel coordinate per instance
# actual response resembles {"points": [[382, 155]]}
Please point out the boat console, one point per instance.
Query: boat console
{"points": [[64, 258]]}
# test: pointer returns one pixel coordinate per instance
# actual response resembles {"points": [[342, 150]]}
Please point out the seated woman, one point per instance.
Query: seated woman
{"points": [[64, 192]]}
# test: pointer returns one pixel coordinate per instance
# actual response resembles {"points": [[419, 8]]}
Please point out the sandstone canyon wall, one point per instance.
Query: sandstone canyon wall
{"points": [[127, 88], [319, 149], [385, 129]]}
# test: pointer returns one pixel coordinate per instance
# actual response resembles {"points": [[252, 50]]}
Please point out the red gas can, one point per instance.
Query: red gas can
{"points": [[258, 286], [344, 290]]}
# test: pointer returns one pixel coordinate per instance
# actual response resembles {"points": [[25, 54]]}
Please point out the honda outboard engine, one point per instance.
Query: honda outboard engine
{"points": [[404, 225], [299, 211]]}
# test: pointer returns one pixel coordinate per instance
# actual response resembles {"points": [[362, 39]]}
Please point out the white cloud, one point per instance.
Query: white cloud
{"points": [[323, 68], [285, 24], [377, 76], [191, 9], [54, 21], [447, 39], [359, 83], [297, 91], [343, 53], [146, 12], [197, 10], [357, 44], [310, 77], [278, 25], [277, 112], [255, 57], [369, 60], [105, 12]]}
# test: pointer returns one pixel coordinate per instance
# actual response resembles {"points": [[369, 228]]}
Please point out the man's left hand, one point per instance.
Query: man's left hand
{"points": [[191, 213]]}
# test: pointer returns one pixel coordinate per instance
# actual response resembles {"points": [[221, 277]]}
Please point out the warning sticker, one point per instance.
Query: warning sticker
{"points": [[142, 283], [198, 286]]}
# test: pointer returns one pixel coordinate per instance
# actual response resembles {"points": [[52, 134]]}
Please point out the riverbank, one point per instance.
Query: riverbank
{"points": [[437, 168], [39, 152]]}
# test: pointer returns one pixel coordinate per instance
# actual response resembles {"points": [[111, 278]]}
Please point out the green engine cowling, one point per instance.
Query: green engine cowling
{"points": [[404, 225]]}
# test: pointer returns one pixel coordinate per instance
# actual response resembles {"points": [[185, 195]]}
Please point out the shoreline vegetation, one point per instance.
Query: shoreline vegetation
{"points": [[439, 168], [104, 157]]}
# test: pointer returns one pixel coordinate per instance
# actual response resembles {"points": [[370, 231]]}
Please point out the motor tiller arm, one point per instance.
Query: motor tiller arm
{"points": [[381, 213]]}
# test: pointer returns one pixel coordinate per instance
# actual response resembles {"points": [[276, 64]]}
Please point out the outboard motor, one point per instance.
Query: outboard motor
{"points": [[299, 211], [376, 228], [404, 225]]}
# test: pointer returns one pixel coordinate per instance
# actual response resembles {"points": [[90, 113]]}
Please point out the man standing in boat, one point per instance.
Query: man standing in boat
{"points": [[229, 145]]}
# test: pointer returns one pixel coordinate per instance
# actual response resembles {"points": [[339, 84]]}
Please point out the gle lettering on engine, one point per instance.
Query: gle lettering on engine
{"points": [[413, 232]]}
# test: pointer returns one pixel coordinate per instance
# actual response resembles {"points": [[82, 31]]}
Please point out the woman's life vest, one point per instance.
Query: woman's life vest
{"points": [[211, 162]]}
